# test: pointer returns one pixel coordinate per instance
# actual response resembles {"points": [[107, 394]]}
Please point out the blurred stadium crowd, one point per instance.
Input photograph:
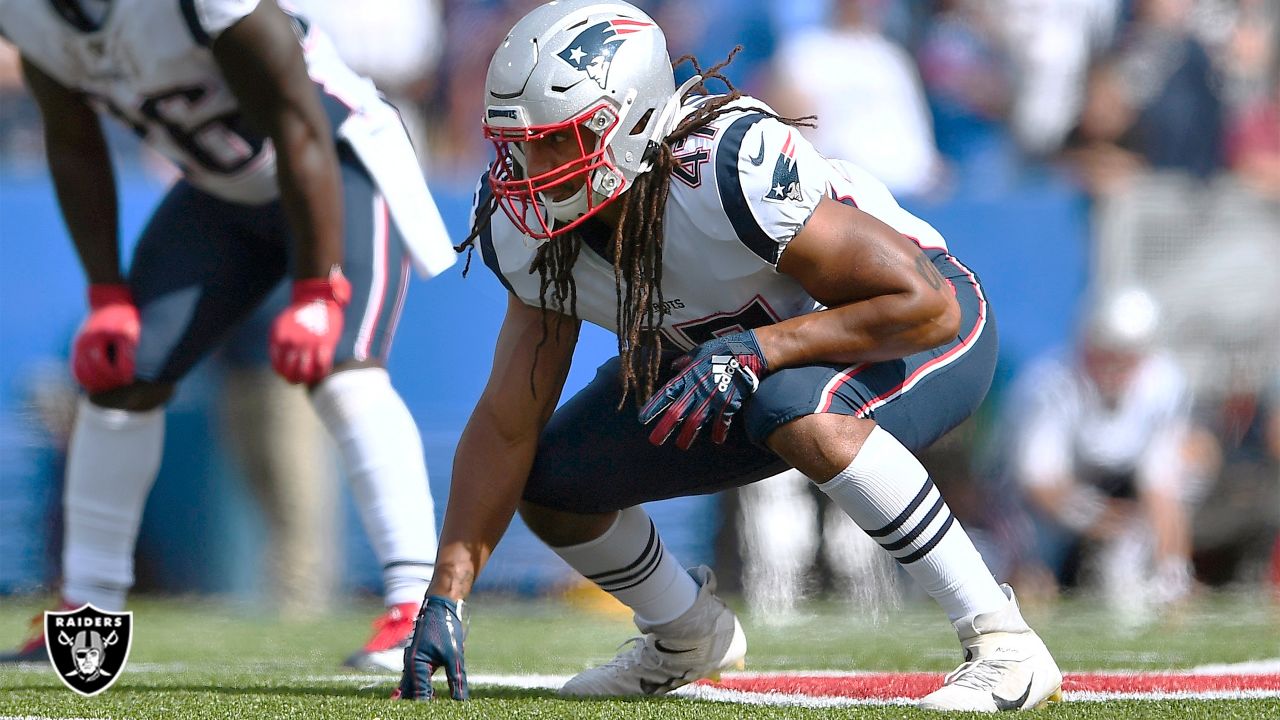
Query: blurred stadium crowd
{"points": [[1163, 114]]}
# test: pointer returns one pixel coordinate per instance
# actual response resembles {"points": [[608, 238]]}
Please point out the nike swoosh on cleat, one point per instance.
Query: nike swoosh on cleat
{"points": [[1003, 704], [758, 159], [662, 648], [652, 688]]}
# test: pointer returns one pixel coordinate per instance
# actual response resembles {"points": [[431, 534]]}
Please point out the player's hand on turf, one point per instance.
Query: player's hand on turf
{"points": [[102, 357], [709, 387], [438, 638], [304, 336]]}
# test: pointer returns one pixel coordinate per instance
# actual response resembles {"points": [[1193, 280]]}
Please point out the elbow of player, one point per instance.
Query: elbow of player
{"points": [[938, 324]]}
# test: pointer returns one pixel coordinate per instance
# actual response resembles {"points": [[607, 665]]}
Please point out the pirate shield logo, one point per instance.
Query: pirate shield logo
{"points": [[88, 647]]}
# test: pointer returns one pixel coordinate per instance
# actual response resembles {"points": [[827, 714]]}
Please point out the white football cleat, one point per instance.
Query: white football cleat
{"points": [[699, 644], [1007, 666]]}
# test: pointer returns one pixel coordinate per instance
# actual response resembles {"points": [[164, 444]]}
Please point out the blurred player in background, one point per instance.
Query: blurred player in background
{"points": [[1099, 448], [742, 271], [292, 165]]}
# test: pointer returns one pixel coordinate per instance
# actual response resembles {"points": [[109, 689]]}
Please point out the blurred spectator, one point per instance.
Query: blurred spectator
{"points": [[709, 30], [472, 29], [1147, 100], [1052, 44], [1237, 525], [867, 95], [968, 79], [1253, 133], [1242, 38], [1097, 443]]}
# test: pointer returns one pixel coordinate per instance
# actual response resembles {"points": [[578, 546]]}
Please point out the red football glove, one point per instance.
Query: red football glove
{"points": [[304, 336], [103, 352]]}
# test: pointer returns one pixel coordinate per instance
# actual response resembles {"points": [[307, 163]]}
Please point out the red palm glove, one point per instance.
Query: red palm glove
{"points": [[304, 336], [102, 357]]}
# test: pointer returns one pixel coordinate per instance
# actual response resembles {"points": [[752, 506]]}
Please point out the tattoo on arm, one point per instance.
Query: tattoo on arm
{"points": [[928, 272]]}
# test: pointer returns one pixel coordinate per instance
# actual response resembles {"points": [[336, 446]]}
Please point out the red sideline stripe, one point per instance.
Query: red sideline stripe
{"points": [[1158, 682], [889, 686]]}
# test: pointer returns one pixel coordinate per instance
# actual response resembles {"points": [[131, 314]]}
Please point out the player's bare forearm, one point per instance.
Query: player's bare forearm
{"points": [[80, 165], [886, 298], [489, 475], [310, 190], [881, 328], [263, 64], [496, 451]]}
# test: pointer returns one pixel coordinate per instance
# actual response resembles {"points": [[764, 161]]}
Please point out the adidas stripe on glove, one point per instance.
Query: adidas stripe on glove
{"points": [[709, 387]]}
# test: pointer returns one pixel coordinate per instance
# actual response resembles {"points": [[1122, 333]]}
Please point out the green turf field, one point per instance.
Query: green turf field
{"points": [[199, 659]]}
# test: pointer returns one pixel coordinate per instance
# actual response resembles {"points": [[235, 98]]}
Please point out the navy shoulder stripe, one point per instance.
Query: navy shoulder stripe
{"points": [[193, 22], [487, 251], [734, 200]]}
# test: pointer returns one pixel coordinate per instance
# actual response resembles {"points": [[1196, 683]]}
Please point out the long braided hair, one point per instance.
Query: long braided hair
{"points": [[638, 239]]}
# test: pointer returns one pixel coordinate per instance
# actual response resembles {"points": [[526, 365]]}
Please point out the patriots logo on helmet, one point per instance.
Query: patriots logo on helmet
{"points": [[786, 175], [593, 49]]}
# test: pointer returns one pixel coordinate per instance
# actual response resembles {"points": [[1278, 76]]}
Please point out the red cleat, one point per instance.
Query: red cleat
{"points": [[392, 632]]}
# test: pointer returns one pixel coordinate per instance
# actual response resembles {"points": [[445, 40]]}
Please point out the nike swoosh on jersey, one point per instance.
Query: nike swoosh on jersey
{"points": [[662, 648], [1003, 704], [758, 159]]}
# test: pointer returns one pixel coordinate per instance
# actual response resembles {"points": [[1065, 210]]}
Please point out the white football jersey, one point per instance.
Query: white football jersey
{"points": [[745, 185], [148, 64]]}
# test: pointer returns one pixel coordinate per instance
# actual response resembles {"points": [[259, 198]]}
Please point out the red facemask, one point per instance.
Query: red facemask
{"points": [[519, 196]]}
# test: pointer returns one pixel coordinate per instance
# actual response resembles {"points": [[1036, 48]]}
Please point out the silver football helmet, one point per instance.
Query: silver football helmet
{"points": [[599, 68]]}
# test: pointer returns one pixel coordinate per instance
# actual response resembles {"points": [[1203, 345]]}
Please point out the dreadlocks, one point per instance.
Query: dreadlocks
{"points": [[637, 244]]}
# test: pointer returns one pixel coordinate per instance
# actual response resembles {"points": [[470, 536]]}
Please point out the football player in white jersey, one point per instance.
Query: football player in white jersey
{"points": [[774, 310], [291, 165]]}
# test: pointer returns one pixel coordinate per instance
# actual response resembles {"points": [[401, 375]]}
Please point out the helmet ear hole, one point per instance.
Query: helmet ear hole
{"points": [[642, 123]]}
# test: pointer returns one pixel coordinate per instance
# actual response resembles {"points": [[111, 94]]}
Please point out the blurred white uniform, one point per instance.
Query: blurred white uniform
{"points": [[1069, 431], [1064, 431]]}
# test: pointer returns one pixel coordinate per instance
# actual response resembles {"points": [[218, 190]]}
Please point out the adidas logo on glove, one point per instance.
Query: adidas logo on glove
{"points": [[723, 368]]}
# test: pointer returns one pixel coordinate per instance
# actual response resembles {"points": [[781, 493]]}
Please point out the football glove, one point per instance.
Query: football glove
{"points": [[438, 638], [102, 357], [305, 335], [710, 385]]}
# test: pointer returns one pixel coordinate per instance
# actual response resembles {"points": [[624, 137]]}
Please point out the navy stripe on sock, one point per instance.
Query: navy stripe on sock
{"points": [[897, 522], [911, 536], [652, 568], [642, 564], [929, 545]]}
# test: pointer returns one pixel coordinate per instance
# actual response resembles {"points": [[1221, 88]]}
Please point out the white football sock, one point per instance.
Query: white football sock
{"points": [[630, 562], [382, 453], [112, 463], [889, 494]]}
